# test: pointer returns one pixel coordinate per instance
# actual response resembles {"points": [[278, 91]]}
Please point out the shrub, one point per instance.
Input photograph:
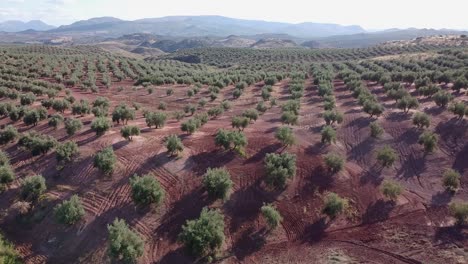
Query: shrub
{"points": [[178, 115], [4, 159], [190, 125], [332, 116], [251, 114], [202, 102], [190, 108], [31, 117], [33, 187], [37, 143], [105, 160], [69, 212], [204, 235], [261, 107], [216, 111], [123, 113], [27, 99], [451, 180], [100, 125], [429, 141], [460, 82], [442, 98], [66, 151], [421, 120], [236, 93], [128, 132], [328, 135], [270, 81], [226, 105], [72, 126], [124, 244], [406, 103], [285, 135], [459, 109], [291, 106], [334, 205], [386, 156], [7, 175], [169, 92], [55, 120], [60, 105], [218, 183], [8, 134], [459, 211], [271, 216], [146, 190], [174, 144], [334, 162], [240, 122], [157, 119], [391, 189], [279, 168], [289, 118], [376, 130]]}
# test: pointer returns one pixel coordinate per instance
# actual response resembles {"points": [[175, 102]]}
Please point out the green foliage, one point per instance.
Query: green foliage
{"points": [[429, 141], [334, 162], [190, 108], [157, 119], [261, 107], [289, 118], [451, 180], [100, 125], [7, 175], [37, 143], [271, 216], [216, 111], [372, 108], [4, 159], [291, 106], [386, 156], [459, 109], [8, 254], [391, 189], [146, 190], [235, 140], [128, 132], [376, 130], [459, 211], [60, 105], [105, 160], [442, 98], [174, 144], [285, 135], [328, 135], [55, 120], [27, 99], [73, 125], [32, 188], [421, 120], [191, 125], [334, 205], [332, 116], [218, 183], [205, 235], [240, 122], [8, 134], [407, 102], [124, 244], [66, 151], [123, 113], [251, 114], [69, 212], [279, 168], [82, 108]]}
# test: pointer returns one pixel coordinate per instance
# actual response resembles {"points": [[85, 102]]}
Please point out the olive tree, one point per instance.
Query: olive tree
{"points": [[70, 211], [157, 119], [32, 188], [73, 125], [328, 135], [205, 235], [124, 244], [146, 190], [8, 134], [285, 135], [128, 132], [100, 125], [66, 151], [451, 180], [218, 183], [7, 175], [271, 216], [429, 141], [386, 156], [421, 120], [105, 160], [334, 162], [332, 116], [459, 109], [334, 205], [240, 122], [279, 168], [391, 189], [174, 145], [459, 211], [376, 130]]}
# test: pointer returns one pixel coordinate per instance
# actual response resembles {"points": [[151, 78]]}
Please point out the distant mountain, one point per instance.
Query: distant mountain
{"points": [[17, 26], [370, 39], [198, 26]]}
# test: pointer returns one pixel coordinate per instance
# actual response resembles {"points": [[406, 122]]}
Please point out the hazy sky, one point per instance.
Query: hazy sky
{"points": [[376, 14]]}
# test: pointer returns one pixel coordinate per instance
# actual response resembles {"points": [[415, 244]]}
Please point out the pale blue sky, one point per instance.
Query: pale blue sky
{"points": [[369, 14]]}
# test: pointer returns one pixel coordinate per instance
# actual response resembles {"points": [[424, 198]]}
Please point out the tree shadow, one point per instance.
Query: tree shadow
{"points": [[250, 242], [373, 175], [451, 234], [378, 211], [460, 163], [360, 122], [398, 116], [316, 149], [319, 180], [215, 158], [436, 110], [87, 140], [260, 155], [412, 166], [120, 144], [441, 198], [410, 136], [176, 256], [315, 232]]}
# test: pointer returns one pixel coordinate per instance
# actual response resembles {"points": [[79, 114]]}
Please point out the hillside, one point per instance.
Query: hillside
{"points": [[17, 26]]}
